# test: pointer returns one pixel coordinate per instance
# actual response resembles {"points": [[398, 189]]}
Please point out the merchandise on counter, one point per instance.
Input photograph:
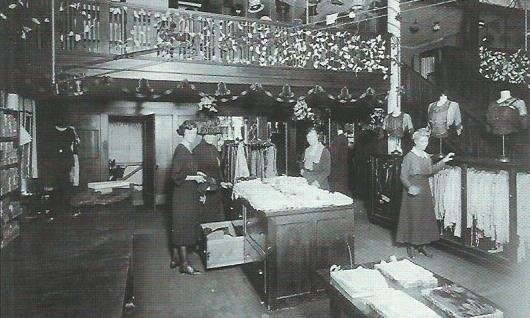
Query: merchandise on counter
{"points": [[407, 274], [359, 282], [393, 303], [523, 218], [458, 302], [284, 193], [488, 203], [446, 190]]}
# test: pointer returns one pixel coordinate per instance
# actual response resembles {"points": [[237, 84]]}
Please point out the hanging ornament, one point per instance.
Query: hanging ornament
{"points": [[222, 91], [255, 6], [286, 95]]}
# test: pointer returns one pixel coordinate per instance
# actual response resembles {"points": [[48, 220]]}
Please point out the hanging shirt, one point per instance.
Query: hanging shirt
{"points": [[396, 126], [442, 117]]}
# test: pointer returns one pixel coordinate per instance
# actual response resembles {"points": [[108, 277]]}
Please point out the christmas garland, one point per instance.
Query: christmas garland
{"points": [[504, 67]]}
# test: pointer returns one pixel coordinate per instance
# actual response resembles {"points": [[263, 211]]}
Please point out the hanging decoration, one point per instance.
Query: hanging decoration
{"points": [[302, 112], [255, 6], [267, 45], [208, 105], [286, 95], [142, 91], [501, 66]]}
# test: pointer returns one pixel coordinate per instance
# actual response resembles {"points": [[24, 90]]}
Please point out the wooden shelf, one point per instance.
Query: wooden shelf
{"points": [[11, 165]]}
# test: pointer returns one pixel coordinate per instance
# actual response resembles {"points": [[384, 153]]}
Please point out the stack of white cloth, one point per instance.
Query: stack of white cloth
{"points": [[286, 193], [407, 274], [393, 303], [359, 282]]}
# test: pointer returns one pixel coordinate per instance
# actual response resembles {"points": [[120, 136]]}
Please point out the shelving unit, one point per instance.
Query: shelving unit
{"points": [[13, 116]]}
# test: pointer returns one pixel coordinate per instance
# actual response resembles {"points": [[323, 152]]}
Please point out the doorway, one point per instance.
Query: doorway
{"points": [[131, 155]]}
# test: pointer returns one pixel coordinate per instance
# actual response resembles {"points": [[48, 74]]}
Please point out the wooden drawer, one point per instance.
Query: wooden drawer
{"points": [[224, 244]]}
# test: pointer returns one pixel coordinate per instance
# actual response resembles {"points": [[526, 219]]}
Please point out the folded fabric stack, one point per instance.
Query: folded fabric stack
{"points": [[359, 282], [393, 303], [407, 274], [285, 193]]}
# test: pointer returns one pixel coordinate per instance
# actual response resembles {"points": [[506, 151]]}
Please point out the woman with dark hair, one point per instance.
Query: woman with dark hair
{"points": [[417, 225], [317, 160], [185, 199]]}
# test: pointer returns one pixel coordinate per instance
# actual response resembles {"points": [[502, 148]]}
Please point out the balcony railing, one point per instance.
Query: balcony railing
{"points": [[87, 29]]}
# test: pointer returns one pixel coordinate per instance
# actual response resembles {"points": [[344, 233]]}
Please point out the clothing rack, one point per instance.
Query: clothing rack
{"points": [[260, 157], [386, 213]]}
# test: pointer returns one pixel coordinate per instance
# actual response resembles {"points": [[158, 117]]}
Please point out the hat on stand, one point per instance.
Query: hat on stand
{"points": [[255, 6], [209, 127], [222, 90]]}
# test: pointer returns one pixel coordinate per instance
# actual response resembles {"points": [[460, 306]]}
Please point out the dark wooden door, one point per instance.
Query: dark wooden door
{"points": [[149, 161]]}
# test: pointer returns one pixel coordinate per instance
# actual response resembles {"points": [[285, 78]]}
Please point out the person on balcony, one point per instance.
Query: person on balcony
{"points": [[417, 225], [317, 161]]}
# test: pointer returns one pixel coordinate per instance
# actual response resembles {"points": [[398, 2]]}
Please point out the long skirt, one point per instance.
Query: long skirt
{"points": [[417, 221], [186, 214]]}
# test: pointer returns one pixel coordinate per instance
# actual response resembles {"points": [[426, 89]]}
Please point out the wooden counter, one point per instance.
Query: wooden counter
{"points": [[292, 245]]}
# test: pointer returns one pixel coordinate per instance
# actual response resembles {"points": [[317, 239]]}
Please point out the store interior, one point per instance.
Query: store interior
{"points": [[312, 112]]}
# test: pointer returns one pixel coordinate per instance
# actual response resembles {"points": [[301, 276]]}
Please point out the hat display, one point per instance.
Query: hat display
{"points": [[255, 6], [209, 127]]}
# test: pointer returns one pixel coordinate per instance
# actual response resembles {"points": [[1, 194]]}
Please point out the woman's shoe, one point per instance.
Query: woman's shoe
{"points": [[189, 270], [410, 251], [423, 251], [173, 264]]}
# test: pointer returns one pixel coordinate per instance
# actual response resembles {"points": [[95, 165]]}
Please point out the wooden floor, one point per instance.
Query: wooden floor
{"points": [[162, 292]]}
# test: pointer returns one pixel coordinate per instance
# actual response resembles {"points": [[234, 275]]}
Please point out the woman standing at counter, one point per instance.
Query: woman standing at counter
{"points": [[317, 161], [186, 210], [417, 225]]}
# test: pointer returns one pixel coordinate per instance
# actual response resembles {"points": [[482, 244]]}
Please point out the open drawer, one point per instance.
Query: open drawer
{"points": [[224, 244]]}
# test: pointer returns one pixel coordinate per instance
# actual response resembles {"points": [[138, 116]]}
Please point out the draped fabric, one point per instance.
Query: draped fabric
{"points": [[488, 203], [523, 214], [240, 160], [446, 190]]}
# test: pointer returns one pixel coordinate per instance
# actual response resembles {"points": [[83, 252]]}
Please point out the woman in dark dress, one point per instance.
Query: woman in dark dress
{"points": [[209, 163], [417, 225], [185, 199], [317, 161]]}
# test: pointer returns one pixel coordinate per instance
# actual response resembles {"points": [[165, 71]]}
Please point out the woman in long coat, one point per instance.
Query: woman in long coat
{"points": [[185, 199], [209, 163], [417, 225]]}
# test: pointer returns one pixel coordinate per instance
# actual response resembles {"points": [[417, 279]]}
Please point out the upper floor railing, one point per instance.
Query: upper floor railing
{"points": [[109, 29]]}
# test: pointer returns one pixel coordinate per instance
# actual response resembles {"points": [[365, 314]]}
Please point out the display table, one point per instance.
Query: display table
{"points": [[343, 304], [282, 237], [286, 246]]}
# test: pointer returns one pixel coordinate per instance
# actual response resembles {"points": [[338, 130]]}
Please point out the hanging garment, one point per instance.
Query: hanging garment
{"points": [[523, 215], [270, 166], [442, 117], [241, 164], [397, 126], [338, 178], [446, 190], [507, 117]]}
